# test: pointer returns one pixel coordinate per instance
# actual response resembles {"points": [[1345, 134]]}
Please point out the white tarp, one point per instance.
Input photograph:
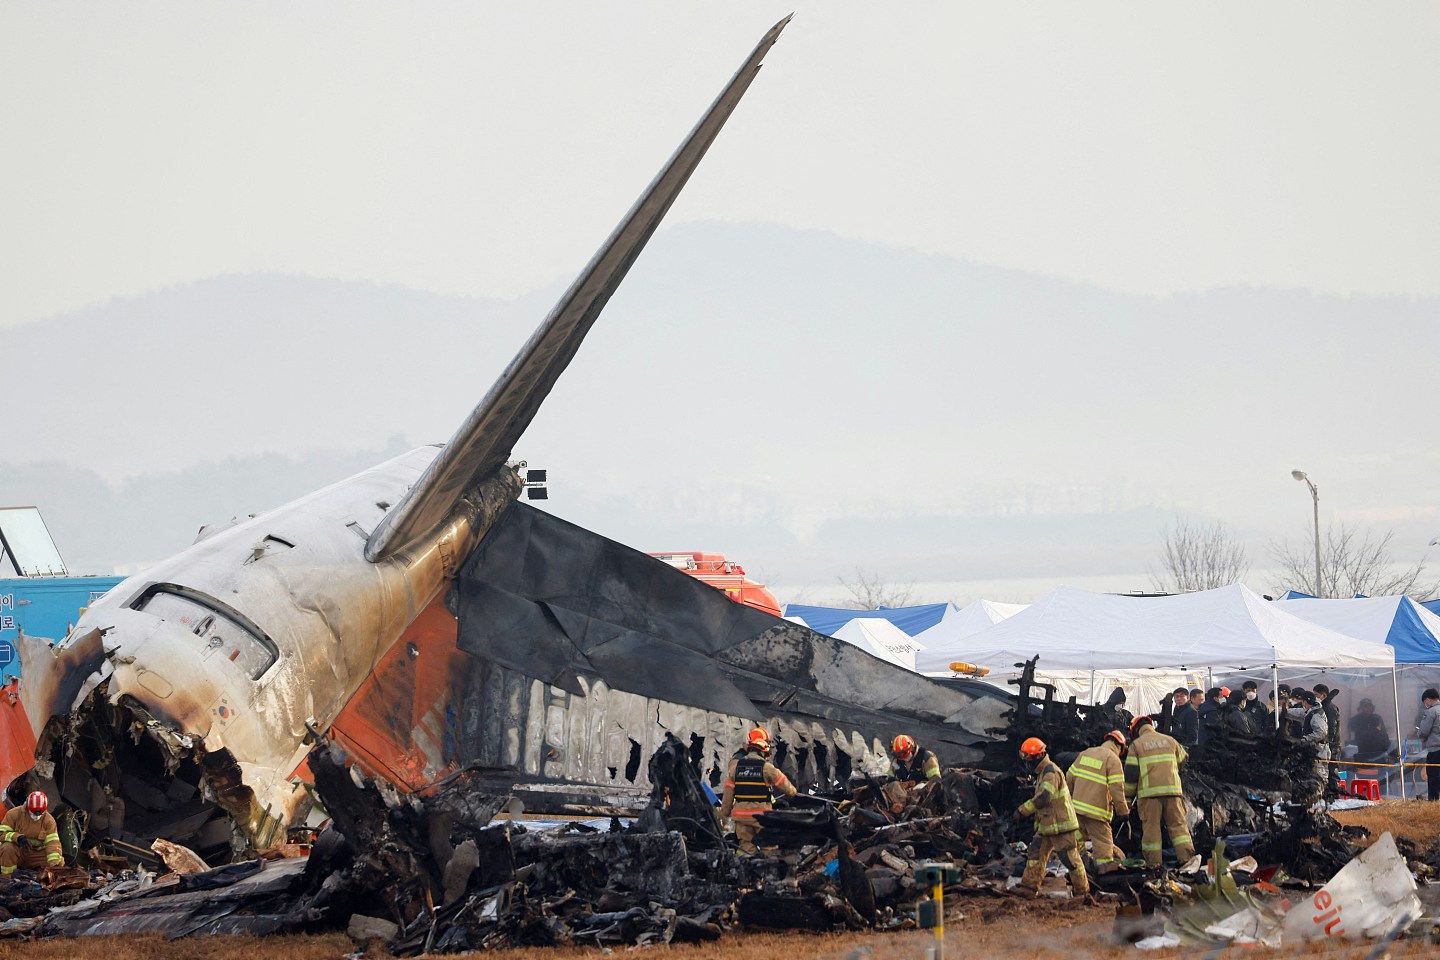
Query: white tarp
{"points": [[944, 642], [1226, 629], [1144, 689], [882, 639]]}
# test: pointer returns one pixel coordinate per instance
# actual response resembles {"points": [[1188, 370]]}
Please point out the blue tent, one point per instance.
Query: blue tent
{"points": [[1402, 623], [827, 620], [1432, 605], [1297, 595]]}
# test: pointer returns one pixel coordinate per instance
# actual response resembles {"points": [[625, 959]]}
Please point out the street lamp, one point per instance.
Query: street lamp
{"points": [[1315, 496]]}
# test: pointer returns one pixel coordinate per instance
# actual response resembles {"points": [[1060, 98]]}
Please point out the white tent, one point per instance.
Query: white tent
{"points": [[1226, 629], [1089, 643], [944, 642], [882, 639]]}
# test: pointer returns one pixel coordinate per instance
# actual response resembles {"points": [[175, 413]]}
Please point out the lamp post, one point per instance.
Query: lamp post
{"points": [[1315, 496]]}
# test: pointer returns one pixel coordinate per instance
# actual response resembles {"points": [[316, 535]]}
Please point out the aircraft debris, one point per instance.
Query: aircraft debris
{"points": [[436, 872], [1371, 896]]}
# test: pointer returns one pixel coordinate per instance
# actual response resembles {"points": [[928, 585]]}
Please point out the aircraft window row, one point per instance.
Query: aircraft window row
{"points": [[224, 633]]}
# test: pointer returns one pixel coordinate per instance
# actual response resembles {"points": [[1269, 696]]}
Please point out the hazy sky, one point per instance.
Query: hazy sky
{"points": [[485, 148]]}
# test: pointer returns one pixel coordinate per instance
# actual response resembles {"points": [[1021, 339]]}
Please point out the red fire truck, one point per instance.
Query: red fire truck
{"points": [[714, 569]]}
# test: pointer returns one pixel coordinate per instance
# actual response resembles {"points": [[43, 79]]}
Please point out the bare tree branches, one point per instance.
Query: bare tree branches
{"points": [[1350, 564], [869, 592], [1199, 556]]}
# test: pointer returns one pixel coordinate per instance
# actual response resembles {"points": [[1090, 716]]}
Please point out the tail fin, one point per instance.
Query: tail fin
{"points": [[485, 441]]}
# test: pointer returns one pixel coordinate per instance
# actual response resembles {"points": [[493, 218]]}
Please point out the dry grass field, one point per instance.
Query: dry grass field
{"points": [[1419, 820]]}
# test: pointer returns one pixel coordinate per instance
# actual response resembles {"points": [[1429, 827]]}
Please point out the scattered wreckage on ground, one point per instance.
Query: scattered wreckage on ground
{"points": [[435, 871]]}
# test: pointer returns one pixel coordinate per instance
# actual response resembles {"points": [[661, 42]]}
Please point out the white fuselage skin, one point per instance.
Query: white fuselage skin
{"points": [[330, 613]]}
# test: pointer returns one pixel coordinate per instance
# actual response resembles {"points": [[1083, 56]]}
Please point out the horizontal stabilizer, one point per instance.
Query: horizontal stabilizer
{"points": [[484, 442]]}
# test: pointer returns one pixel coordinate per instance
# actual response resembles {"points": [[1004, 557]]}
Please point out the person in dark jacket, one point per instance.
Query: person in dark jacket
{"points": [[1184, 724], [1233, 719], [1209, 713], [1428, 731], [1115, 708], [1247, 706], [1368, 734]]}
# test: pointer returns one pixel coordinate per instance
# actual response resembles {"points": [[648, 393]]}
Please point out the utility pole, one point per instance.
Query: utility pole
{"points": [[1315, 496]]}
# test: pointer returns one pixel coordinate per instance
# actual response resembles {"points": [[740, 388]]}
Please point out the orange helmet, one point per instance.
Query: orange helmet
{"points": [[1136, 723], [37, 802], [903, 747], [759, 739], [1118, 737], [1032, 747]]}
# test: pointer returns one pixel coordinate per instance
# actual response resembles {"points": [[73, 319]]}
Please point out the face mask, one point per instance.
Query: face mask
{"points": [[1250, 695], [1222, 701], [34, 816]]}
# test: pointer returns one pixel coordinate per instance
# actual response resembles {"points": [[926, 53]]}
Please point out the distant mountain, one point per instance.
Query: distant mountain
{"points": [[804, 402]]}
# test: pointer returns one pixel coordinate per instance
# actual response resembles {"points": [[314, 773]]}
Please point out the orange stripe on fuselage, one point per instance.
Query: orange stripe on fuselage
{"points": [[378, 726]]}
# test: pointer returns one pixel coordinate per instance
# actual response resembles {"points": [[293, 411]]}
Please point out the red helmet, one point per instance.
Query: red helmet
{"points": [[1138, 721], [903, 747], [759, 739], [1118, 737], [1032, 747], [37, 802]]}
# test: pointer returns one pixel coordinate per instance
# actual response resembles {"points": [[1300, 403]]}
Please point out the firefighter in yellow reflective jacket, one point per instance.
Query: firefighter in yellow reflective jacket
{"points": [[912, 761], [748, 788], [1097, 789], [29, 837], [1055, 826], [1152, 773]]}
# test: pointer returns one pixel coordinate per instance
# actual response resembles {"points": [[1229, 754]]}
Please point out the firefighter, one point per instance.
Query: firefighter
{"points": [[29, 837], [1097, 789], [1055, 826], [748, 788], [1152, 770], [913, 762]]}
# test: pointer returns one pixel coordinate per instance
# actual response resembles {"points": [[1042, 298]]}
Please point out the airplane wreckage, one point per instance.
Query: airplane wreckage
{"points": [[423, 619], [412, 650]]}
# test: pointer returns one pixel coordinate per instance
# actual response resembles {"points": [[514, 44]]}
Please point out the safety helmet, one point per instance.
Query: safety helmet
{"points": [[1118, 737], [759, 740], [1142, 720], [1032, 747], [903, 747], [37, 803]]}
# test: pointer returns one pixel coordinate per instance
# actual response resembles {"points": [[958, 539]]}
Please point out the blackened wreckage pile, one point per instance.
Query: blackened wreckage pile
{"points": [[436, 872]]}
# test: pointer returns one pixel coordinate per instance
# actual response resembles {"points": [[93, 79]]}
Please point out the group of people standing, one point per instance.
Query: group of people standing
{"points": [[1313, 715], [1196, 715]]}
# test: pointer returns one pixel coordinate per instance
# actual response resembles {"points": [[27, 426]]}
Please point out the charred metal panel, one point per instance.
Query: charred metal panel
{"points": [[622, 647]]}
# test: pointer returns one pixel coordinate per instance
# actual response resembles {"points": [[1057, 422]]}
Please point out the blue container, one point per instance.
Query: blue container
{"points": [[42, 607]]}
